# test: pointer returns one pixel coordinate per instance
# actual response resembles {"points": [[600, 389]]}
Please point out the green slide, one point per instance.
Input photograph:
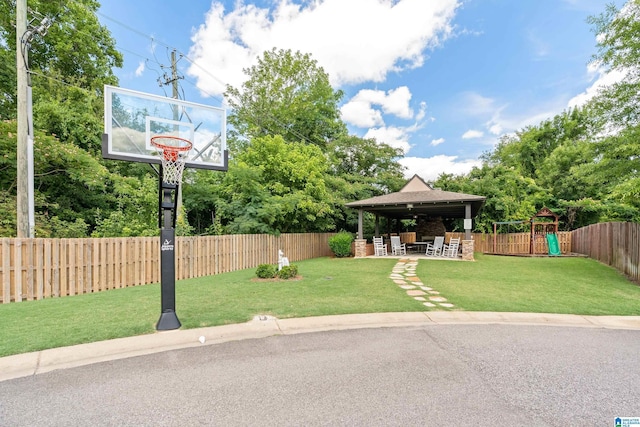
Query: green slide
{"points": [[554, 247]]}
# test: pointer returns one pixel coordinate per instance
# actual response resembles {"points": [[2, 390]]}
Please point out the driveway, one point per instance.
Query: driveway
{"points": [[426, 375]]}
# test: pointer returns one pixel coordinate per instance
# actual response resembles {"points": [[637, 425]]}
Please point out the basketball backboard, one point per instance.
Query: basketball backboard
{"points": [[132, 118]]}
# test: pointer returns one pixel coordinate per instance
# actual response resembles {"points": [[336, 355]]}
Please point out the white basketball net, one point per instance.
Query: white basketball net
{"points": [[173, 153], [172, 170]]}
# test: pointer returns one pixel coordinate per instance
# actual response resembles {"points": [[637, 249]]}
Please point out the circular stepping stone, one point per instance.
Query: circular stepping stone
{"points": [[432, 292], [413, 278], [416, 293], [399, 282], [446, 304], [425, 288], [407, 287], [428, 304], [419, 298], [438, 299]]}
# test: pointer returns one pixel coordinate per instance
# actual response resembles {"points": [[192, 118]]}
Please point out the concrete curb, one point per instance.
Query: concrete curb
{"points": [[23, 365]]}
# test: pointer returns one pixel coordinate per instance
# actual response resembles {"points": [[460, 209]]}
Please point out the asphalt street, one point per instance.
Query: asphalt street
{"points": [[433, 375]]}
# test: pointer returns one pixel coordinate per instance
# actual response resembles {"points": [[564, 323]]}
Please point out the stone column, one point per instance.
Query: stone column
{"points": [[467, 250], [360, 248]]}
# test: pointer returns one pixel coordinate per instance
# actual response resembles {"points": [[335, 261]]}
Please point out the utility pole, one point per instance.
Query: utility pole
{"points": [[22, 148], [26, 224], [174, 81], [176, 114]]}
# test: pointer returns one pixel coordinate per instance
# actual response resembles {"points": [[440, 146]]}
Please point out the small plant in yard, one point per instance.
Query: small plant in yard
{"points": [[266, 271], [288, 272], [340, 244]]}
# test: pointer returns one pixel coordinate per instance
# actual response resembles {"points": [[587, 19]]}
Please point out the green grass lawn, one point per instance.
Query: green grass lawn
{"points": [[538, 285], [328, 286]]}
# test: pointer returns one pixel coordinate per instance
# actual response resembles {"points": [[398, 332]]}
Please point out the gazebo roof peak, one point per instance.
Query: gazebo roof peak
{"points": [[415, 184]]}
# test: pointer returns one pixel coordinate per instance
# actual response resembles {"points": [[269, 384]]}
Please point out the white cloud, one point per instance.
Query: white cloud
{"points": [[472, 134], [603, 79], [475, 104], [495, 128], [436, 142], [397, 103], [361, 114], [501, 124], [359, 110], [500, 118], [422, 112], [394, 136], [391, 36], [430, 168], [140, 69]]}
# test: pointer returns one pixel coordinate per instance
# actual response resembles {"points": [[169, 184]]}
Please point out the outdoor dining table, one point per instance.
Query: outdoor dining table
{"points": [[418, 247]]}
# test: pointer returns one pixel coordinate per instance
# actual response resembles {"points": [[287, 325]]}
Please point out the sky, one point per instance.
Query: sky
{"points": [[443, 80]]}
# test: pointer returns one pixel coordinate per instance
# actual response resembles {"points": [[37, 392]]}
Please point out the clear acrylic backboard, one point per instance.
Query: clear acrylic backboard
{"points": [[132, 118]]}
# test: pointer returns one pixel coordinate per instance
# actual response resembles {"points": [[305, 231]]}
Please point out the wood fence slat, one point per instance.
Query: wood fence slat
{"points": [[48, 268], [39, 265], [17, 268], [29, 256], [6, 271]]}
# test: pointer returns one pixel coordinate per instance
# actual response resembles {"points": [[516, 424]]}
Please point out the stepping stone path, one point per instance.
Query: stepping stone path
{"points": [[404, 275]]}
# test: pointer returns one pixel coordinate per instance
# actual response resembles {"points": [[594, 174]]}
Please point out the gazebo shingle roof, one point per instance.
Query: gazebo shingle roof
{"points": [[416, 198]]}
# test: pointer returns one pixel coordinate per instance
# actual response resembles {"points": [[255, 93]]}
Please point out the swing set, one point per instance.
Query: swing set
{"points": [[540, 228]]}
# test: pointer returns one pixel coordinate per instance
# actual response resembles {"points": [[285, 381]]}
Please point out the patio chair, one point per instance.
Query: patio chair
{"points": [[435, 248], [451, 250], [380, 249], [398, 248]]}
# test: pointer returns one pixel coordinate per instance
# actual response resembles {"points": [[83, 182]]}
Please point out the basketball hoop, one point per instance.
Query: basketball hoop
{"points": [[173, 150]]}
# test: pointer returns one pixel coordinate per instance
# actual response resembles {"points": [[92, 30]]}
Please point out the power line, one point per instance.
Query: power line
{"points": [[196, 64]]}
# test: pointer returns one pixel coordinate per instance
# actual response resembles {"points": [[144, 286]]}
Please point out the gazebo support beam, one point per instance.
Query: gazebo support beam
{"points": [[360, 215], [467, 221]]}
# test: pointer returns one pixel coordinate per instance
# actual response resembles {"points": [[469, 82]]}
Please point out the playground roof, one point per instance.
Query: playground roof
{"points": [[419, 198]]}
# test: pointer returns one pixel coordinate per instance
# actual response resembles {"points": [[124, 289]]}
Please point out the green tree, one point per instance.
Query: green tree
{"points": [[510, 196], [359, 169], [528, 148], [275, 186], [618, 38], [76, 49], [285, 94], [68, 184], [136, 208]]}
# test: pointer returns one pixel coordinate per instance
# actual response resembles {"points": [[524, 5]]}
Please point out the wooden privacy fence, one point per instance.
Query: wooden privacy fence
{"points": [[33, 269], [613, 243], [514, 243]]}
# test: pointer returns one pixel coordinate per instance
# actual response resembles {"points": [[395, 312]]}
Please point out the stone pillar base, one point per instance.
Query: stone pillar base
{"points": [[467, 250], [360, 248]]}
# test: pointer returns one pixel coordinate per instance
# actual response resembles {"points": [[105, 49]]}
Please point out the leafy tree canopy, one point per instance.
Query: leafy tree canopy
{"points": [[618, 37], [286, 94], [275, 186]]}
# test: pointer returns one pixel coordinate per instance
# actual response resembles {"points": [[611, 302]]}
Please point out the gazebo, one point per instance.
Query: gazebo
{"points": [[418, 199]]}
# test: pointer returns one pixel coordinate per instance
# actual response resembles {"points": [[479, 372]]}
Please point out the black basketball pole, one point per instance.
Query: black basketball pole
{"points": [[167, 218]]}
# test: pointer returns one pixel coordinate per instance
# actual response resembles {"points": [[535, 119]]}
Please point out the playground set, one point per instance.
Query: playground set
{"points": [[543, 226]]}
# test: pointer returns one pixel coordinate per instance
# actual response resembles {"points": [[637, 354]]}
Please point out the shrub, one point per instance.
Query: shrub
{"points": [[266, 271], [288, 272], [340, 244]]}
